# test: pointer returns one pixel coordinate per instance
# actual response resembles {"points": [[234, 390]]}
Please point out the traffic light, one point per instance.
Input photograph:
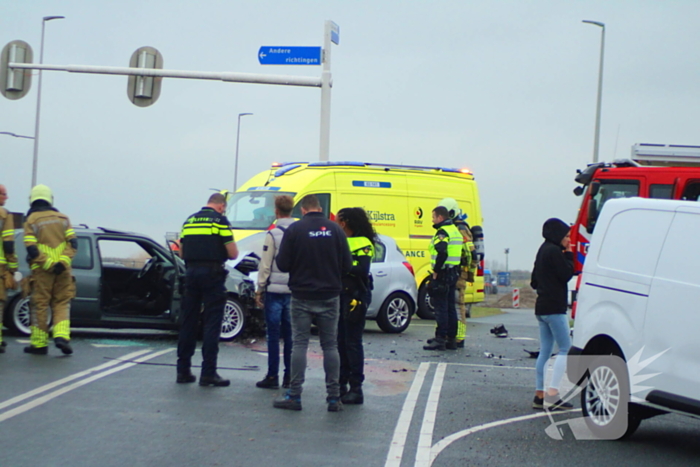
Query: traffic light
{"points": [[15, 83], [144, 90]]}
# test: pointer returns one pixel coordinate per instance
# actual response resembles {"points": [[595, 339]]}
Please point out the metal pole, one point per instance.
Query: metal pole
{"points": [[238, 134], [507, 251], [35, 158], [596, 144], [325, 140]]}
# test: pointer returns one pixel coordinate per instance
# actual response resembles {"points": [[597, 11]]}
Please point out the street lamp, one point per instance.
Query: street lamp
{"points": [[238, 134], [600, 88], [38, 99], [507, 251], [15, 135]]}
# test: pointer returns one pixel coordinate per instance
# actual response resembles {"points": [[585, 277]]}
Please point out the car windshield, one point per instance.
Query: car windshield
{"points": [[253, 210]]}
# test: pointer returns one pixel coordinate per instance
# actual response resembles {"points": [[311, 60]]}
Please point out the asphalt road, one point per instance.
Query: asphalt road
{"points": [[466, 407]]}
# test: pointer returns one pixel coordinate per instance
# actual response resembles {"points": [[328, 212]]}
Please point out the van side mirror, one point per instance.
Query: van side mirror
{"points": [[592, 215]]}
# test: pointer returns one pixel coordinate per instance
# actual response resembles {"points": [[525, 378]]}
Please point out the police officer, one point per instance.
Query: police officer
{"points": [[51, 245], [467, 265], [206, 243], [445, 256], [8, 258]]}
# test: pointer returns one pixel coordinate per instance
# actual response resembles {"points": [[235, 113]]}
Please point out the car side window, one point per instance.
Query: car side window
{"points": [[83, 257], [122, 253], [379, 252]]}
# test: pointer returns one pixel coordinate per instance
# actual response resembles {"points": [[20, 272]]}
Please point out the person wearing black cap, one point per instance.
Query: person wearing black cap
{"points": [[553, 269]]}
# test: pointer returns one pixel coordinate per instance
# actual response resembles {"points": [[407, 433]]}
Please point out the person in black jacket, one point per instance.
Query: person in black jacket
{"points": [[315, 253], [553, 269]]}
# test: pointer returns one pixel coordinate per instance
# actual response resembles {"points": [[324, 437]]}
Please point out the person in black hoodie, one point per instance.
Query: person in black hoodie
{"points": [[315, 253], [553, 269]]}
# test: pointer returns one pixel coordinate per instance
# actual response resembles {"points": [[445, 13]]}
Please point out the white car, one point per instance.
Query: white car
{"points": [[394, 294], [636, 351]]}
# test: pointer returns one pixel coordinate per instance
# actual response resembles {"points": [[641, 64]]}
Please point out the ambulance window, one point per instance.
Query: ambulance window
{"points": [[323, 198], [661, 191]]}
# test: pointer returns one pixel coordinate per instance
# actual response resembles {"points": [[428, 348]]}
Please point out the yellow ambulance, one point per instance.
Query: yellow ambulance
{"points": [[398, 199]]}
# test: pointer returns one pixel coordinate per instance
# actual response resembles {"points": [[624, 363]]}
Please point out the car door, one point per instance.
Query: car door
{"points": [[86, 271], [381, 276]]}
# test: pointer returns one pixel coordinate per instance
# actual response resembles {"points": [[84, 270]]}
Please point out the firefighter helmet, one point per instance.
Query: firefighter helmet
{"points": [[452, 207], [41, 192]]}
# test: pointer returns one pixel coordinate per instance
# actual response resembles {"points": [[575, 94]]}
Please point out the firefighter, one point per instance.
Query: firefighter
{"points": [[445, 257], [51, 244], [8, 258], [467, 265]]}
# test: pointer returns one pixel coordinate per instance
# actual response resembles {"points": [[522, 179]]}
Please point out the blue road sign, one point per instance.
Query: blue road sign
{"points": [[289, 55]]}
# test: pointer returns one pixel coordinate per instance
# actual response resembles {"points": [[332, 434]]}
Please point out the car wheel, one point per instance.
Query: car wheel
{"points": [[425, 306], [605, 399], [18, 319], [395, 313], [234, 319]]}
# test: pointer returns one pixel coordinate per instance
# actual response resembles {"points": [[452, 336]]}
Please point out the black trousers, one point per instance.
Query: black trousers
{"points": [[204, 285], [351, 326]]}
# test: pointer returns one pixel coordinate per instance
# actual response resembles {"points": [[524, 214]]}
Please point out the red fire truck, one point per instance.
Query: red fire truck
{"points": [[663, 171]]}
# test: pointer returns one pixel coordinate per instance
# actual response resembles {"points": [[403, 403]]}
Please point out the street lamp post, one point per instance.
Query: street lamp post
{"points": [[38, 99], [600, 88], [507, 251], [238, 134]]}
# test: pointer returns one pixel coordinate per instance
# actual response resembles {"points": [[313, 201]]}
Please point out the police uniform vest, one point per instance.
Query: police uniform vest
{"points": [[278, 280], [454, 246], [361, 246], [204, 237]]}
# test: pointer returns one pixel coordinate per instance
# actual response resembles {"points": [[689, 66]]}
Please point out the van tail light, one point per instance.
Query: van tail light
{"points": [[574, 297], [409, 267], [480, 269]]}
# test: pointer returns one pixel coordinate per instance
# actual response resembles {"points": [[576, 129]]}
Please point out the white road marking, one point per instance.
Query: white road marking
{"points": [[524, 339], [398, 442], [52, 395], [495, 367], [59, 382], [425, 440], [445, 442]]}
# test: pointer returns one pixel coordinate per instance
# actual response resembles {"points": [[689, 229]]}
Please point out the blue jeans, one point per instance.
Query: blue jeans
{"points": [[325, 313], [553, 328], [204, 285], [278, 322]]}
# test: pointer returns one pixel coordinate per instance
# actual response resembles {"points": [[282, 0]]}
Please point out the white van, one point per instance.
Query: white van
{"points": [[638, 301]]}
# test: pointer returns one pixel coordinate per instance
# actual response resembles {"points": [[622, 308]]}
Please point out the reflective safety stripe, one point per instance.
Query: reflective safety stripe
{"points": [[8, 233], [454, 246], [38, 338], [54, 255], [62, 329], [29, 238], [206, 229], [358, 247]]}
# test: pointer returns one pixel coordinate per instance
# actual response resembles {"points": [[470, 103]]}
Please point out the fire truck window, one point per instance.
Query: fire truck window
{"points": [[661, 191], [692, 191], [613, 189]]}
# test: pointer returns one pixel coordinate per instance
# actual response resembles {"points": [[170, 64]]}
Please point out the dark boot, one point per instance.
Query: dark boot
{"points": [[63, 345], [451, 344], [286, 382], [437, 344], [269, 382], [353, 397], [36, 350], [214, 380], [185, 377], [343, 389]]}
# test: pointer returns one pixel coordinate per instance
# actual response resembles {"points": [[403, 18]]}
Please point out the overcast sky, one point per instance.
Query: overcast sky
{"points": [[505, 88]]}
